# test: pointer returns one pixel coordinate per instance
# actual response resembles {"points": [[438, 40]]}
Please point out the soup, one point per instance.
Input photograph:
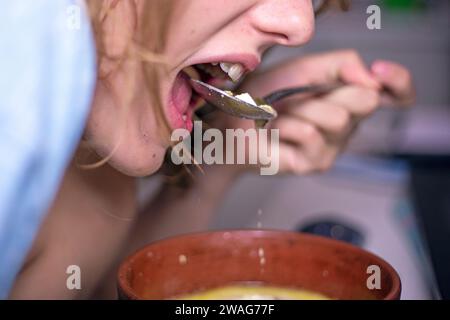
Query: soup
{"points": [[247, 292]]}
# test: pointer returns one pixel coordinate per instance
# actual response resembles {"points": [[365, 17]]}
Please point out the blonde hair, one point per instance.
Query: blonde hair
{"points": [[145, 45]]}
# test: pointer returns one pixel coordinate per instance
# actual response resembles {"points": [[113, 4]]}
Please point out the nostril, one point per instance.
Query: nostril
{"points": [[280, 38], [288, 23]]}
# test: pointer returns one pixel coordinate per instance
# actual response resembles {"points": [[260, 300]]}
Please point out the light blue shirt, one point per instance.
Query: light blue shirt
{"points": [[47, 77]]}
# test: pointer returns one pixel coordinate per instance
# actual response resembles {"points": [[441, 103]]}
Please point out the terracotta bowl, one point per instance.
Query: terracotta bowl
{"points": [[196, 262]]}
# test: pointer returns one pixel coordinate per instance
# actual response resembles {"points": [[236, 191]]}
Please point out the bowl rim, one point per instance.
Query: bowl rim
{"points": [[125, 288]]}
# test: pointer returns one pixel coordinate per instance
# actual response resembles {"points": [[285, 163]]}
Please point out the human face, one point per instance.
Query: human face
{"points": [[234, 32], [199, 32]]}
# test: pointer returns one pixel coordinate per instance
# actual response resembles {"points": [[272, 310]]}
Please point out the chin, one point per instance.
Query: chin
{"points": [[138, 165]]}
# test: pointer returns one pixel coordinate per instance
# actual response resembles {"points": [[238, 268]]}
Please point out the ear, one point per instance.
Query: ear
{"points": [[117, 27]]}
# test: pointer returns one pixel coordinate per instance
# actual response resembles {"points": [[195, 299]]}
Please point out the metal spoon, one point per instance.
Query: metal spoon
{"points": [[263, 111]]}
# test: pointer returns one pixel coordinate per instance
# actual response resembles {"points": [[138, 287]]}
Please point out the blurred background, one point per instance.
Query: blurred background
{"points": [[390, 192]]}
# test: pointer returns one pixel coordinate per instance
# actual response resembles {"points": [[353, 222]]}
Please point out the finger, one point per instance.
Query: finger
{"points": [[396, 79], [358, 101], [301, 135], [293, 161], [353, 70], [328, 158], [346, 66], [331, 118]]}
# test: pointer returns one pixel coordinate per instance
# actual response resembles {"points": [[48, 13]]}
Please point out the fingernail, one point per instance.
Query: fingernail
{"points": [[380, 68]]}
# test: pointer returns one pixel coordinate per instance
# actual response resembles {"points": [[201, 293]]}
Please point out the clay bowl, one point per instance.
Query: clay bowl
{"points": [[181, 265]]}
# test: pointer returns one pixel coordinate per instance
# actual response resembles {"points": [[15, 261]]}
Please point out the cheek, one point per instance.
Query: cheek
{"points": [[193, 22], [132, 140]]}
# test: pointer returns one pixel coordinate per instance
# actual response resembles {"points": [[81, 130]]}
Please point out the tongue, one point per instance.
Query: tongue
{"points": [[181, 93]]}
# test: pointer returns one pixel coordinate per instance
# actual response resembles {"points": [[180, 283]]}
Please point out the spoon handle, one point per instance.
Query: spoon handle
{"points": [[315, 89]]}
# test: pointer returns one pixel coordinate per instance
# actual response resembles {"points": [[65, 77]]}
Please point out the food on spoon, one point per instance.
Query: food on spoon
{"points": [[266, 107], [247, 98]]}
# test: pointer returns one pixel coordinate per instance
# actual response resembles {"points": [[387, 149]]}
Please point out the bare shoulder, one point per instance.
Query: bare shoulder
{"points": [[86, 228]]}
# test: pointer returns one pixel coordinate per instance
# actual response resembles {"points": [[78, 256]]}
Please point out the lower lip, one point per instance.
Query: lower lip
{"points": [[180, 110]]}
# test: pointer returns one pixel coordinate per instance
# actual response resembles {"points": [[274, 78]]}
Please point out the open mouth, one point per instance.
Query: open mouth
{"points": [[215, 73], [185, 101]]}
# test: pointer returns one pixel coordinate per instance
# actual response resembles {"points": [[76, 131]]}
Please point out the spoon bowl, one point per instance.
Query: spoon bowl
{"points": [[230, 104]]}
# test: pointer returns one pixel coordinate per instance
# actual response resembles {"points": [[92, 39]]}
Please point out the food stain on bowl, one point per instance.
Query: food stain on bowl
{"points": [[182, 259]]}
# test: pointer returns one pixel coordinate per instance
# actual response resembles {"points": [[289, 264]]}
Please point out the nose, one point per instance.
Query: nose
{"points": [[286, 22]]}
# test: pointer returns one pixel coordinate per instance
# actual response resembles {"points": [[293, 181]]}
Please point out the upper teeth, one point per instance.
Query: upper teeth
{"points": [[234, 70]]}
